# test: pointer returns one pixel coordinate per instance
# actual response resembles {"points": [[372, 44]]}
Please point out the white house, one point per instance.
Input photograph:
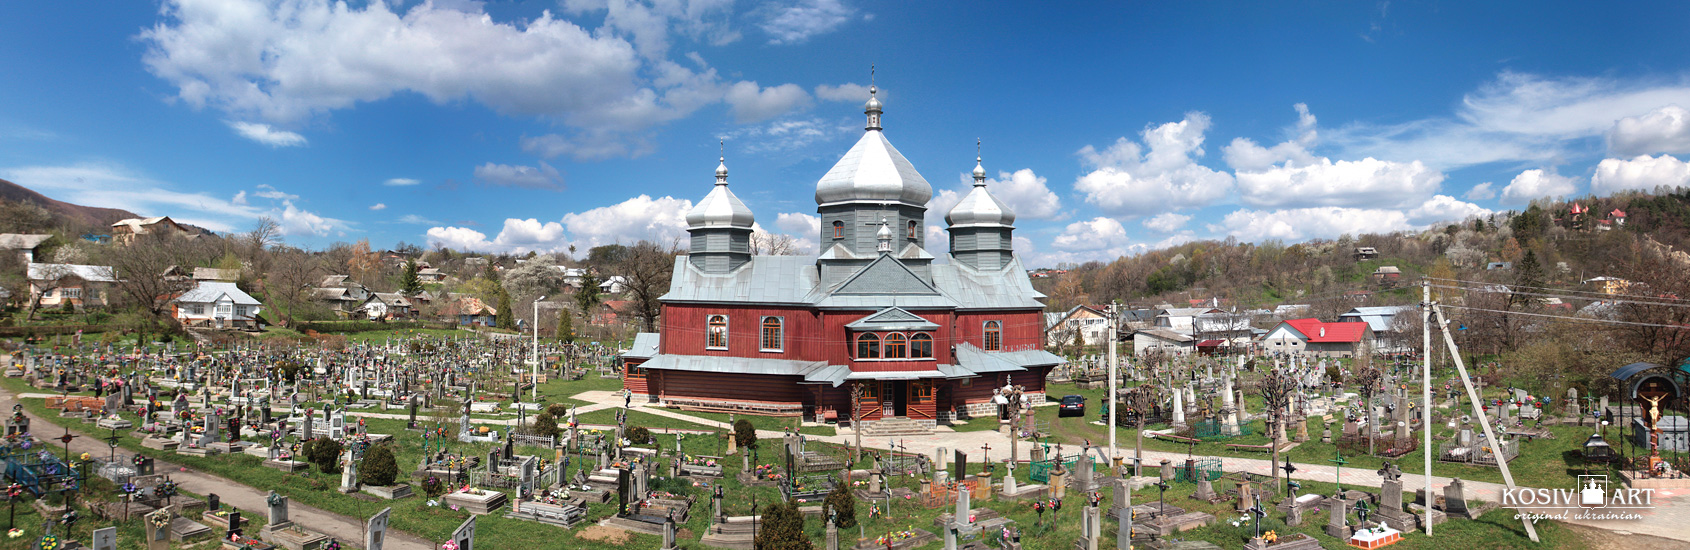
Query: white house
{"points": [[1313, 337], [386, 305], [220, 305], [1163, 340], [1380, 323], [1182, 319], [1090, 322]]}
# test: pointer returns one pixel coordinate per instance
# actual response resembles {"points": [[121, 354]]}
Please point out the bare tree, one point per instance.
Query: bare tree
{"points": [[857, 391], [288, 282], [1140, 401], [141, 267], [1367, 384], [764, 243], [1275, 389], [646, 269], [265, 233]]}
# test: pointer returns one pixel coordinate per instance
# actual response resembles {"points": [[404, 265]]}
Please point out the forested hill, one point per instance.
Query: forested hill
{"points": [[1558, 243]]}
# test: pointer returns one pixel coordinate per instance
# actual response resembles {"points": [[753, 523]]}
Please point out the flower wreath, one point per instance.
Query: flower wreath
{"points": [[50, 542]]}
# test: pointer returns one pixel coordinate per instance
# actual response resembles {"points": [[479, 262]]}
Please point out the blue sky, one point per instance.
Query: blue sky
{"points": [[1111, 128]]}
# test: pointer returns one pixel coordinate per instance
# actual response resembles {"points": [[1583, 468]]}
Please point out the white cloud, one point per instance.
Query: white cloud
{"points": [[941, 203], [297, 222], [1025, 193], [648, 23], [1297, 224], [528, 177], [1366, 182], [240, 198], [848, 92], [270, 192], [789, 134], [804, 229], [416, 219], [753, 104], [266, 134], [797, 20], [285, 61], [1518, 117], [378, 206], [1167, 222], [661, 220], [1287, 174], [399, 182], [1127, 180], [1094, 234], [1444, 208], [588, 145], [1643, 172], [1532, 184], [1663, 130], [1480, 192]]}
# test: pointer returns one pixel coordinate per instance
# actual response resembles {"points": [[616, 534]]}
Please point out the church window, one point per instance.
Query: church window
{"points": [[921, 346], [772, 334], [868, 346], [895, 346], [993, 340], [912, 229], [716, 332], [838, 230]]}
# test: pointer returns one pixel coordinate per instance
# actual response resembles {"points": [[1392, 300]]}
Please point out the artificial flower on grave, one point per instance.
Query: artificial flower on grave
{"points": [[14, 533]]}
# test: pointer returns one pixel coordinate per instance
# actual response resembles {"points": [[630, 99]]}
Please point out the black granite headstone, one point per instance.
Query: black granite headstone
{"points": [[213, 502]]}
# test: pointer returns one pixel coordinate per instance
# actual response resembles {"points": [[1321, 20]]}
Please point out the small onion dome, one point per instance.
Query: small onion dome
{"points": [[873, 105], [885, 232], [720, 208], [979, 208], [979, 172]]}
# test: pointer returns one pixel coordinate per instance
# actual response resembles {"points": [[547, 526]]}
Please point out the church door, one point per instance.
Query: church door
{"points": [[899, 394]]}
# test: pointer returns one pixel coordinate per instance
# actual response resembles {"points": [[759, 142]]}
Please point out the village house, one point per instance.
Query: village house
{"points": [[428, 275], [125, 231], [1608, 285], [385, 306], [1314, 337], [468, 311], [1387, 274], [1381, 326], [55, 285], [341, 294], [1089, 323], [217, 305], [1160, 340], [23, 245]]}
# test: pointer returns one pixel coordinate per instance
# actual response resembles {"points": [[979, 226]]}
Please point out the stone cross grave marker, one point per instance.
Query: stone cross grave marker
{"points": [[465, 535], [105, 539], [375, 530]]}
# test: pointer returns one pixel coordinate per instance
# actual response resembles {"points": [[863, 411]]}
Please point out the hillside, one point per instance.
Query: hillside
{"points": [[63, 213], [1569, 241]]}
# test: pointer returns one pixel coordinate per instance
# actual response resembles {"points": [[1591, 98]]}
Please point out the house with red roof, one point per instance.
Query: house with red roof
{"points": [[1315, 337]]}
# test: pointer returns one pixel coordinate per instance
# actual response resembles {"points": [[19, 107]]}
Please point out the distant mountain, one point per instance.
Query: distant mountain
{"points": [[74, 215]]}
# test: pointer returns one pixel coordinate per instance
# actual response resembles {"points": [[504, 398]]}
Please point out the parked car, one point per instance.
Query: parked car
{"points": [[1072, 405]]}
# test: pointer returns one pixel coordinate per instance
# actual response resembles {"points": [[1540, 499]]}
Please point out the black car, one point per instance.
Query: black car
{"points": [[1072, 405]]}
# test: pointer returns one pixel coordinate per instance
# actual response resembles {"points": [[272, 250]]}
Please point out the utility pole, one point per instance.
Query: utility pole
{"points": [[1426, 391], [1114, 320], [534, 357]]}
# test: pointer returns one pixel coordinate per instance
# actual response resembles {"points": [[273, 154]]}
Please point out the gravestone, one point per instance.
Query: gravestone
{"points": [[668, 534], [278, 508], [1123, 515], [1205, 489], [1573, 404], [158, 529], [1246, 495], [1167, 470], [1455, 499], [1338, 526], [465, 535], [105, 539], [213, 502], [375, 530]]}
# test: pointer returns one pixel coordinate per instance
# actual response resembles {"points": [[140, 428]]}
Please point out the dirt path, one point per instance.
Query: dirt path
{"points": [[250, 500]]}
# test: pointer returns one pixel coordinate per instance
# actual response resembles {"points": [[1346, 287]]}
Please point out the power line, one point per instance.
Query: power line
{"points": [[1594, 295], [1566, 318], [1547, 295]]}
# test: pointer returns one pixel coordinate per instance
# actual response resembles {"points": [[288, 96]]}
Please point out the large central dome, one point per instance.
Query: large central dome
{"points": [[873, 171]]}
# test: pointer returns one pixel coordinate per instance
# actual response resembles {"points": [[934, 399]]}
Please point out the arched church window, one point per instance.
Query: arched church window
{"points": [[838, 230], [895, 344], [772, 337], [913, 229], [868, 346], [921, 346], [716, 332], [993, 340]]}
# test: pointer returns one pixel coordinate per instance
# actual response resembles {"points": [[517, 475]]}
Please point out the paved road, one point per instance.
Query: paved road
{"points": [[250, 500]]}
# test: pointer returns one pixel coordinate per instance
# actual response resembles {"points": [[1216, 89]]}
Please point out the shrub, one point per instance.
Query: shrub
{"points": [[325, 453], [545, 424], [378, 467], [783, 529], [745, 434], [558, 410], [844, 504], [639, 435]]}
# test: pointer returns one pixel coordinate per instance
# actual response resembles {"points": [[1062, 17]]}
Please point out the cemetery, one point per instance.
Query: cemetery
{"points": [[386, 430]]}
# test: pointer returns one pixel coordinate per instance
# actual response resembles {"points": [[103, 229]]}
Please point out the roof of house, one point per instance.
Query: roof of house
{"points": [[96, 273], [795, 280], [1378, 318], [1164, 334], [1317, 331], [467, 305], [392, 298], [1187, 311], [212, 291], [137, 225], [20, 241], [1387, 269], [214, 274]]}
